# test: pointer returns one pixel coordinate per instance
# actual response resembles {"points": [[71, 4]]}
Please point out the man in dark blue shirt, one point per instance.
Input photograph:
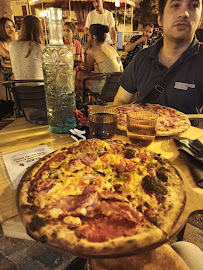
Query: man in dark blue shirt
{"points": [[138, 42], [179, 47]]}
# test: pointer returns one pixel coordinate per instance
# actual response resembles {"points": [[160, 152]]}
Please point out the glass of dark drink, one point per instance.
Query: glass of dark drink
{"points": [[141, 127], [102, 121]]}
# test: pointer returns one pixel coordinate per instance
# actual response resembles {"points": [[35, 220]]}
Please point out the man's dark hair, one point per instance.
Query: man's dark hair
{"points": [[162, 4], [148, 24]]}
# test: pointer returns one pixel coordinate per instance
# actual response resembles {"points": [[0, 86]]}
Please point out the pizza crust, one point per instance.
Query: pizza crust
{"points": [[174, 201], [147, 235]]}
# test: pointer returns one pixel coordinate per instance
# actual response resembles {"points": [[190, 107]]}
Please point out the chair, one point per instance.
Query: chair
{"points": [[5, 69], [109, 89], [27, 96]]}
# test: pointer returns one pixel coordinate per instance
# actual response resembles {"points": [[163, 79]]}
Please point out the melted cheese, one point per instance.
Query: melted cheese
{"points": [[72, 221], [54, 165], [107, 172], [55, 212]]}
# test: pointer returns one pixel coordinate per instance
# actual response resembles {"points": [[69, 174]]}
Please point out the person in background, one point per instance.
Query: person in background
{"points": [[72, 44], [138, 42], [178, 51], [7, 34], [101, 57], [26, 60], [104, 17], [26, 52]]}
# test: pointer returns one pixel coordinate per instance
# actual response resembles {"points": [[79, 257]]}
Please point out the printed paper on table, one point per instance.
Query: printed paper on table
{"points": [[17, 163]]}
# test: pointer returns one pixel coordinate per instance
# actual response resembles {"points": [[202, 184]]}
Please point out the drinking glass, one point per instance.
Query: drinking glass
{"points": [[141, 127], [102, 121]]}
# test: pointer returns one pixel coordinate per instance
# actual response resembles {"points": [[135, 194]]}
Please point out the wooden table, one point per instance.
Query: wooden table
{"points": [[20, 135]]}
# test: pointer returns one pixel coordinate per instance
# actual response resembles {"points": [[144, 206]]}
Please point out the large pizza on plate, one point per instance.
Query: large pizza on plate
{"points": [[101, 198], [171, 121]]}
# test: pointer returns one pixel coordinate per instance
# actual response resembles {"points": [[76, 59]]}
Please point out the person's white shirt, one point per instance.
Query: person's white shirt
{"points": [[26, 67], [105, 18]]}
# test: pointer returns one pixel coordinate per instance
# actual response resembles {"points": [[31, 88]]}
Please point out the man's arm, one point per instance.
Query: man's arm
{"points": [[86, 31], [131, 45], [88, 43], [122, 97], [113, 35]]}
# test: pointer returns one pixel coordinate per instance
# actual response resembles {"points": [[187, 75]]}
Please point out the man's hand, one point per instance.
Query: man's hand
{"points": [[131, 45], [142, 39], [113, 35]]}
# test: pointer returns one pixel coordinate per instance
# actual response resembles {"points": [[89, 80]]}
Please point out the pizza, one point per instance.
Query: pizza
{"points": [[171, 121], [100, 198]]}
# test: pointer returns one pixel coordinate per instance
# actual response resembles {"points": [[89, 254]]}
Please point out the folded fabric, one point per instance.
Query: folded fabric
{"points": [[80, 133], [195, 167], [193, 155]]}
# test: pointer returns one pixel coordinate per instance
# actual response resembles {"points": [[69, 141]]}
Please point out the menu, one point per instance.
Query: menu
{"points": [[17, 163]]}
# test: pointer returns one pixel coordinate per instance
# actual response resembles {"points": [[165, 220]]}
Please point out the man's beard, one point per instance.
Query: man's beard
{"points": [[178, 38]]}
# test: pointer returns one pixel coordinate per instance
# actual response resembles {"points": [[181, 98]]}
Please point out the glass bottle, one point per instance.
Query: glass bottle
{"points": [[57, 63]]}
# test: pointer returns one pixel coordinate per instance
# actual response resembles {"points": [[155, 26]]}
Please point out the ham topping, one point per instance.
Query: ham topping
{"points": [[89, 160], [122, 209], [72, 204], [60, 156]]}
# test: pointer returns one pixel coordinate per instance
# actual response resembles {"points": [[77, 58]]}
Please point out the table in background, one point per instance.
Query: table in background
{"points": [[77, 63], [122, 54], [20, 135]]}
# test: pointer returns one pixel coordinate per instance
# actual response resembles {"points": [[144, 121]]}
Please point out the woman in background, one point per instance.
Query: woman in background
{"points": [[72, 44], [7, 34], [26, 60], [100, 58], [26, 52]]}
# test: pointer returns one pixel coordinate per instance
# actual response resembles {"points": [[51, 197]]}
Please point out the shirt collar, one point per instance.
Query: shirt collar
{"points": [[156, 48], [192, 49]]}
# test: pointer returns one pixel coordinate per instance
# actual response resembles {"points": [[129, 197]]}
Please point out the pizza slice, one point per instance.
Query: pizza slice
{"points": [[171, 121]]}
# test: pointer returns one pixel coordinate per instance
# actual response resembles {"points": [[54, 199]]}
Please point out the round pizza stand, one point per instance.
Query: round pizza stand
{"points": [[156, 256]]}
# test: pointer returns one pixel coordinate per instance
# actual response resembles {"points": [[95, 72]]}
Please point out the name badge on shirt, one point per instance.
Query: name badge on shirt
{"points": [[183, 86]]}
